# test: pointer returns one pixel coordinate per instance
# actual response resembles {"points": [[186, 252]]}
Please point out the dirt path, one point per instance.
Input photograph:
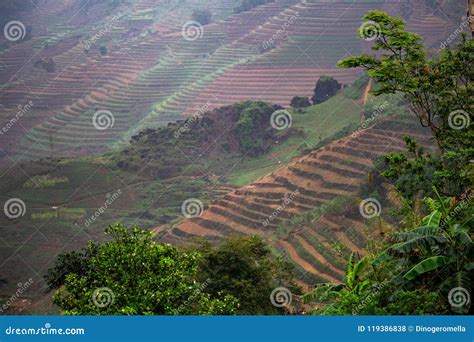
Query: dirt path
{"points": [[365, 97], [366, 92]]}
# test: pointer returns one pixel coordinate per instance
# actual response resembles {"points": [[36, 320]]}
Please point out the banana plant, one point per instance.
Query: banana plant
{"points": [[353, 283], [439, 250]]}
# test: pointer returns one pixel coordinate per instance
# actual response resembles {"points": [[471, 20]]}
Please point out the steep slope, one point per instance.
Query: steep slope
{"points": [[314, 181]]}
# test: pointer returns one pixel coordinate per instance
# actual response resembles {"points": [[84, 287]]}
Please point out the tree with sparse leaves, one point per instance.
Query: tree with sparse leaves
{"points": [[438, 89]]}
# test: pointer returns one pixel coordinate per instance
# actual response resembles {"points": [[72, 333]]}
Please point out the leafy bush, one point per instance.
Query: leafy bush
{"points": [[133, 275], [244, 268], [300, 102], [254, 127]]}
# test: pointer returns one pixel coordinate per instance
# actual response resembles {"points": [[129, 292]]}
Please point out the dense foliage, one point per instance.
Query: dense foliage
{"points": [[413, 273], [133, 275], [214, 138], [326, 87], [202, 16], [254, 129], [244, 268], [439, 92], [426, 265]]}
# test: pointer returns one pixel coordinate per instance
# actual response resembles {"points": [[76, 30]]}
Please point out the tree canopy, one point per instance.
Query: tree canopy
{"points": [[133, 275], [326, 87]]}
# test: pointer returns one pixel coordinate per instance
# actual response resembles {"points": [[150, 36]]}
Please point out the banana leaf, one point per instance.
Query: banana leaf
{"points": [[427, 265]]}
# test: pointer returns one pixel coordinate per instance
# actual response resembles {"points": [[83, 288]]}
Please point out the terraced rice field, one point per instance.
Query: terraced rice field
{"points": [[319, 248], [151, 75]]}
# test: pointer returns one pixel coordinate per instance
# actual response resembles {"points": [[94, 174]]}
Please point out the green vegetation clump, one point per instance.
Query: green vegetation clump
{"points": [[326, 87], [133, 275], [300, 102], [248, 133], [47, 64], [247, 5], [383, 106], [245, 268], [254, 129]]}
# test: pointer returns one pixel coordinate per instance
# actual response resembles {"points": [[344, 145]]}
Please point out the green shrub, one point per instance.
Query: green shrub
{"points": [[326, 87]]}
